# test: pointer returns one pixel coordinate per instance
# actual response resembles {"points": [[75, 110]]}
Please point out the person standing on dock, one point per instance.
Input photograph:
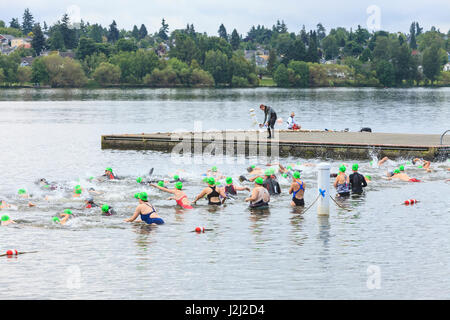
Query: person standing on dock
{"points": [[270, 117]]}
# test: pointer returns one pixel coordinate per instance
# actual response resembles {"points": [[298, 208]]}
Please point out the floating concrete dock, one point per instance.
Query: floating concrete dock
{"points": [[305, 144]]}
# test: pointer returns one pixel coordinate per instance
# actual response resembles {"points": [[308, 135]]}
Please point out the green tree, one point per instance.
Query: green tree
{"points": [[28, 21], [216, 63], [24, 74], [201, 78], [385, 73], [2, 76], [296, 51], [321, 32], [271, 63], [14, 23], [430, 62], [135, 32], [107, 74], [142, 32], [64, 72], [96, 32], [113, 33], [301, 74], [184, 48], [223, 32], [281, 76], [164, 30], [56, 41], [86, 47], [126, 45], [330, 47], [39, 72], [312, 54], [235, 40], [38, 42]]}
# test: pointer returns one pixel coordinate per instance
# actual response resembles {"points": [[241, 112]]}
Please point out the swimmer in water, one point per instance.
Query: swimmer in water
{"points": [[260, 197], [423, 164], [231, 190], [23, 194], [397, 174], [6, 220], [342, 183], [212, 193], [107, 210], [64, 217], [92, 191], [4, 205], [297, 190], [145, 210], [213, 172], [178, 195], [357, 180], [383, 161], [77, 191], [109, 174], [271, 183], [90, 203]]}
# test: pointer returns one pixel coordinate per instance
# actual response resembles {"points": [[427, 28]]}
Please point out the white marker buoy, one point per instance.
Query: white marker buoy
{"points": [[323, 185]]}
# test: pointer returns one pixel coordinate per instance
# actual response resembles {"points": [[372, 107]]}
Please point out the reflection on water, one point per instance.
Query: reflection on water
{"points": [[55, 134]]}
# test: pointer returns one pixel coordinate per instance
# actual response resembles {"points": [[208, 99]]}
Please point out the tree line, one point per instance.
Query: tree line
{"points": [[106, 56]]}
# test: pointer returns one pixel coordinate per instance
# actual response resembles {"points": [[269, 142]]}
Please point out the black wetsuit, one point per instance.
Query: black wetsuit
{"points": [[213, 194], [271, 116], [272, 186], [230, 190], [357, 182]]}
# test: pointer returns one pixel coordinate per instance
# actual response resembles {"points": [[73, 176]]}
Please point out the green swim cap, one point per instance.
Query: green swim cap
{"points": [[342, 168], [214, 169], [22, 191], [78, 190], [136, 195], [179, 185], [401, 168], [268, 173], [55, 219], [91, 178], [143, 196], [355, 167], [108, 169], [368, 177], [296, 175], [5, 218], [211, 181], [298, 163], [420, 167], [259, 180], [371, 162], [139, 180], [105, 208], [229, 180], [396, 171], [68, 211], [284, 175], [253, 166], [289, 167], [161, 183], [176, 177], [205, 180], [408, 162]]}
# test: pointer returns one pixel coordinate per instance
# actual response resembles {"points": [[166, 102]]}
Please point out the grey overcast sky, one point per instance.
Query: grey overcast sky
{"points": [[207, 15]]}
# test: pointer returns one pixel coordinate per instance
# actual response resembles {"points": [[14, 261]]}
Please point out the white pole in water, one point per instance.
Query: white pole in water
{"points": [[323, 186]]}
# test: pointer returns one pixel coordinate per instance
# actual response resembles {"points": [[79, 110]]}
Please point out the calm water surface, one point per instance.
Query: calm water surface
{"points": [[278, 254]]}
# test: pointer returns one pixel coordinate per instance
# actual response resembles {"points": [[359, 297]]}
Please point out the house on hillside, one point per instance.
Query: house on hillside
{"points": [[446, 67], [21, 42]]}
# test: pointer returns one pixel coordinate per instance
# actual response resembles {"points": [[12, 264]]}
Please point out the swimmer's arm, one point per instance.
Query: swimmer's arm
{"points": [[223, 194], [64, 220], [134, 216], [162, 188], [201, 195], [252, 197], [241, 188], [335, 182], [291, 189]]}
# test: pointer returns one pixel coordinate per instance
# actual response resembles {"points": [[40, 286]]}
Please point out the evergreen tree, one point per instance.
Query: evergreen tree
{"points": [[28, 21], [235, 40], [431, 64], [135, 32], [38, 42], [271, 63], [223, 32], [283, 28], [296, 51], [69, 36], [304, 36], [45, 27], [164, 30], [412, 36], [14, 23], [418, 29], [142, 32], [312, 55], [321, 32], [113, 33], [56, 40]]}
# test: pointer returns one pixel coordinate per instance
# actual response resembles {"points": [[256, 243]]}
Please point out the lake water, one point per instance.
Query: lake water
{"points": [[380, 249]]}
